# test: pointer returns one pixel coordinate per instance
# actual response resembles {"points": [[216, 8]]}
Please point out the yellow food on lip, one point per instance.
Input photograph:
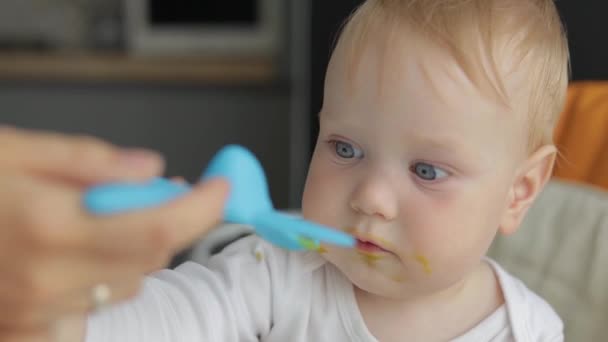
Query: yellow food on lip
{"points": [[370, 258], [385, 244], [370, 255]]}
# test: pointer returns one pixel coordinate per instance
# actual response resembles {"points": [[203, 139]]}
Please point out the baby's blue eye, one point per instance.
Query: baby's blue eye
{"points": [[346, 150], [428, 172]]}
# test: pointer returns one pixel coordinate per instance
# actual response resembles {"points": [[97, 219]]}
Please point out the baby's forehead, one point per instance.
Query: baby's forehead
{"points": [[408, 63], [398, 46]]}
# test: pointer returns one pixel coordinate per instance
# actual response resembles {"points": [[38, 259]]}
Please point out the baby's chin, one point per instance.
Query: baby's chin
{"points": [[381, 288], [370, 280]]}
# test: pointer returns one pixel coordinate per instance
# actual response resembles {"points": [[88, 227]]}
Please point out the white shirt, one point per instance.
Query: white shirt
{"points": [[253, 291]]}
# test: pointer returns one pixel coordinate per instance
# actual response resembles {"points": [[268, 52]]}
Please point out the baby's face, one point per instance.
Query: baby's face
{"points": [[417, 164]]}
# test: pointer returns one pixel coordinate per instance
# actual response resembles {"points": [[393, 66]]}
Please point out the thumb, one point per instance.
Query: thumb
{"points": [[197, 213]]}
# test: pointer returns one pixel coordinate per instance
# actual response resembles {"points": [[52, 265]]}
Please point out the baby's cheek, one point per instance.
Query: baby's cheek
{"points": [[314, 208]]}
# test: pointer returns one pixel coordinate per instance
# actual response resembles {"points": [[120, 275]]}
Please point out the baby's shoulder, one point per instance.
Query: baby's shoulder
{"points": [[531, 317]]}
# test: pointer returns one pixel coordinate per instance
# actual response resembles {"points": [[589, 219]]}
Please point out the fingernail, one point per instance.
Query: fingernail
{"points": [[139, 158]]}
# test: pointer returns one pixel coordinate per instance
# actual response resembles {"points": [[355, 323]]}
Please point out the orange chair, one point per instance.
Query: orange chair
{"points": [[582, 135]]}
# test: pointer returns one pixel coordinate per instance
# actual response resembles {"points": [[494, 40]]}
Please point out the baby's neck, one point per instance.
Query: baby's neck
{"points": [[443, 316]]}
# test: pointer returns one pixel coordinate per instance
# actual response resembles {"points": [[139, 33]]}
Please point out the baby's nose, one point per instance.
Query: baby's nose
{"points": [[375, 196]]}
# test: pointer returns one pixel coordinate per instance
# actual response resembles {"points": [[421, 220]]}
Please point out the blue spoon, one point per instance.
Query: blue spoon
{"points": [[248, 203]]}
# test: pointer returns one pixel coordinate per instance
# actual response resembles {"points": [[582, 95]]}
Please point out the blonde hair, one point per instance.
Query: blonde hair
{"points": [[530, 30]]}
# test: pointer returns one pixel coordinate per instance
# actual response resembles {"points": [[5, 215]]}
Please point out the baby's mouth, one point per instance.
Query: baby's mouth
{"points": [[368, 244], [369, 247]]}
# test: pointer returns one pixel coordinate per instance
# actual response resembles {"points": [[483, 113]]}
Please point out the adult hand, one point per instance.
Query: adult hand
{"points": [[53, 253]]}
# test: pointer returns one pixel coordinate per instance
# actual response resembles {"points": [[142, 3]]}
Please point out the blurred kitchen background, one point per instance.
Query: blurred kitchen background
{"points": [[187, 77], [183, 77]]}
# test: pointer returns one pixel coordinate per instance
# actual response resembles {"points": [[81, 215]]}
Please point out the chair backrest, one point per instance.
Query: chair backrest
{"points": [[560, 252]]}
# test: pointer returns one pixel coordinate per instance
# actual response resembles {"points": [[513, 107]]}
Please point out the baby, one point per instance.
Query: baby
{"points": [[435, 135]]}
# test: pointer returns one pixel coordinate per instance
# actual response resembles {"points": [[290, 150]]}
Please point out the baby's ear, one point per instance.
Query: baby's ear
{"points": [[530, 180]]}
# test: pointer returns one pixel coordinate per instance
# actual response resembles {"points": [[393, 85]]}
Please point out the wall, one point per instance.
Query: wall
{"points": [[585, 23], [187, 124]]}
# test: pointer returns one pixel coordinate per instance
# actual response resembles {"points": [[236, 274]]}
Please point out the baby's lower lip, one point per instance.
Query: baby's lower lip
{"points": [[369, 247]]}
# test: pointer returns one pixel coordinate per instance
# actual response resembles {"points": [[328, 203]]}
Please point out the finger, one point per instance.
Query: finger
{"points": [[38, 216], [170, 227], [11, 334], [47, 232], [49, 225], [81, 159], [43, 217], [33, 315], [49, 218], [43, 281], [120, 290]]}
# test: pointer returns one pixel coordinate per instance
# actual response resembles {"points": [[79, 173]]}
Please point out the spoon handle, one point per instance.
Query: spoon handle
{"points": [[116, 198], [282, 229], [304, 233]]}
